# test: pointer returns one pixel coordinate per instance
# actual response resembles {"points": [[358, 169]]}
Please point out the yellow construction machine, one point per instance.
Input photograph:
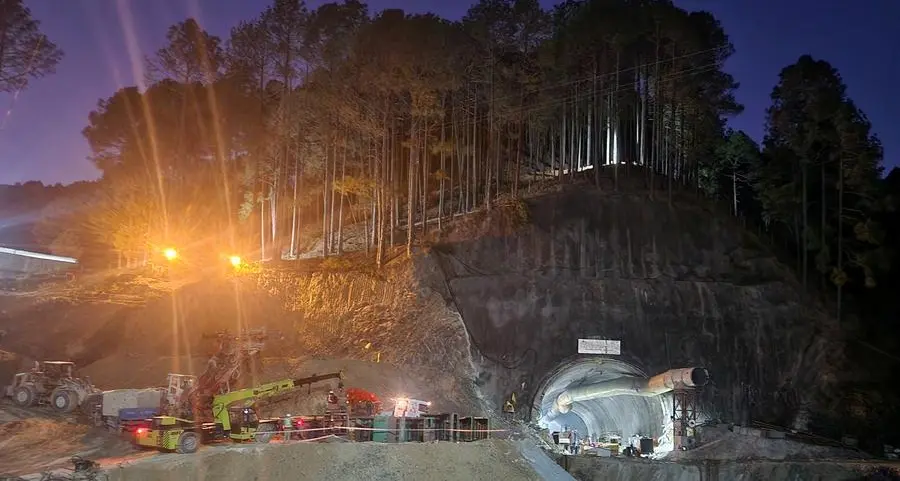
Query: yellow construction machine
{"points": [[234, 418]]}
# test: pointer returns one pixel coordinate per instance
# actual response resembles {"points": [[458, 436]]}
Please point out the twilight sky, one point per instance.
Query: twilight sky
{"points": [[40, 137]]}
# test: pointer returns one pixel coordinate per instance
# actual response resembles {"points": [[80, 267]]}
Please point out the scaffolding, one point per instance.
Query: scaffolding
{"points": [[684, 417]]}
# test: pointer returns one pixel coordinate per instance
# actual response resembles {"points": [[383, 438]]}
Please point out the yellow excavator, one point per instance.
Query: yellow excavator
{"points": [[233, 417]]}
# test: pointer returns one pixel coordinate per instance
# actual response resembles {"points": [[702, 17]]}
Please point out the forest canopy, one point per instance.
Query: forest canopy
{"points": [[304, 122]]}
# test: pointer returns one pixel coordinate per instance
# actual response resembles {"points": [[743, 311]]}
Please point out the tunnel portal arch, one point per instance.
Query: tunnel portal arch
{"points": [[625, 415]]}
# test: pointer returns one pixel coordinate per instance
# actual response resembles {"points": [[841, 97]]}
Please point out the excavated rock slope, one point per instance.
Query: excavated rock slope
{"points": [[680, 285]]}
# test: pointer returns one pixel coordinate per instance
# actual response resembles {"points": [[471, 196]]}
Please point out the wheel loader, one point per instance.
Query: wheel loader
{"points": [[50, 382]]}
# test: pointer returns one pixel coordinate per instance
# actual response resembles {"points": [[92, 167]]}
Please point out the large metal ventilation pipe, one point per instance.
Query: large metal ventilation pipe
{"points": [[635, 386]]}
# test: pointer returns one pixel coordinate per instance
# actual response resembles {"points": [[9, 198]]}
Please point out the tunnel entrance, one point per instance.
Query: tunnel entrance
{"points": [[617, 411]]}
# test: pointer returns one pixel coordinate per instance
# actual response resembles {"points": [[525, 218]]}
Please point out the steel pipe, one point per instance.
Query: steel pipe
{"points": [[688, 377]]}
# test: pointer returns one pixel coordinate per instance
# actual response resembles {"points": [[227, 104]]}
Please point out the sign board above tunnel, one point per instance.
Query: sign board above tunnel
{"points": [[599, 346]]}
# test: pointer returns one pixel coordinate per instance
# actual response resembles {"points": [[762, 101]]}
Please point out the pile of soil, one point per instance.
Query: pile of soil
{"points": [[488, 460]]}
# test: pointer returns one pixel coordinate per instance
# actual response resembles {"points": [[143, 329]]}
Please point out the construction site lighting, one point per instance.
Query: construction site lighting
{"points": [[171, 254], [235, 261]]}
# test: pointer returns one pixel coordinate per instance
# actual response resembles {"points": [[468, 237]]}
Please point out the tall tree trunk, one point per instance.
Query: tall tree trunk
{"points": [[520, 140], [425, 168], [325, 190], [734, 192], [294, 226], [840, 237], [822, 220], [473, 171], [381, 190], [273, 216], [642, 142], [563, 138], [670, 130], [490, 143], [331, 214], [443, 168], [805, 236], [392, 183], [343, 194], [411, 194], [593, 160], [262, 228], [657, 124]]}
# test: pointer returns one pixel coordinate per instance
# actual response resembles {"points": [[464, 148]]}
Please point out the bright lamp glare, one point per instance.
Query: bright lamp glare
{"points": [[235, 261], [170, 254]]}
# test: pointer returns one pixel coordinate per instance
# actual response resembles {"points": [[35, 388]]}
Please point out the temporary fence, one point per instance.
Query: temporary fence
{"points": [[442, 427]]}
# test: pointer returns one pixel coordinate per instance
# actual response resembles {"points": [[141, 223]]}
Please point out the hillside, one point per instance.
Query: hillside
{"points": [[679, 286]]}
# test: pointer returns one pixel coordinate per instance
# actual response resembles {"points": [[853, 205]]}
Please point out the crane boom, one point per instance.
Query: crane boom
{"points": [[248, 396]]}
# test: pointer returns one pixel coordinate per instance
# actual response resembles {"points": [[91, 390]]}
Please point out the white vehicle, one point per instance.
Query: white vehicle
{"points": [[129, 409]]}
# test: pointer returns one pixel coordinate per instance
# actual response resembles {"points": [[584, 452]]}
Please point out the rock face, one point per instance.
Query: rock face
{"points": [[678, 285]]}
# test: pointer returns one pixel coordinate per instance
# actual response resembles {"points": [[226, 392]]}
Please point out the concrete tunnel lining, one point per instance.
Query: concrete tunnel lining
{"points": [[623, 414]]}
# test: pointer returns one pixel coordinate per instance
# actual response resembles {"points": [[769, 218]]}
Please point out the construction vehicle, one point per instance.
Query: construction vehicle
{"points": [[234, 356], [233, 418], [126, 410], [362, 403], [50, 382]]}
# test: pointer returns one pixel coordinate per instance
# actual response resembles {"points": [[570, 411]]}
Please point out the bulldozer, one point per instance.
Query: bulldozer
{"points": [[50, 382]]}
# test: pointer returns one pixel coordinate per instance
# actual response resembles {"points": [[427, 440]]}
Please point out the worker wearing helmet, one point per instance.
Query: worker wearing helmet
{"points": [[332, 403]]}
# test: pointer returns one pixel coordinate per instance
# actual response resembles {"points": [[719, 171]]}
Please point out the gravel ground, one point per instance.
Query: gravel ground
{"points": [[490, 460], [720, 444]]}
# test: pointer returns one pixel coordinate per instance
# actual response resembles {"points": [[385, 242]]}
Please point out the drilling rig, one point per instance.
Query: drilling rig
{"points": [[185, 395], [234, 356]]}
